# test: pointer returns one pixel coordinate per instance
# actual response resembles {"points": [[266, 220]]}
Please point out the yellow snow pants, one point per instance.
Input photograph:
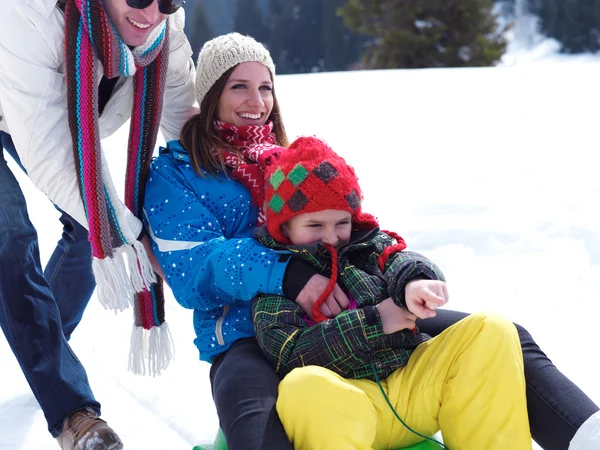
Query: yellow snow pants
{"points": [[467, 382]]}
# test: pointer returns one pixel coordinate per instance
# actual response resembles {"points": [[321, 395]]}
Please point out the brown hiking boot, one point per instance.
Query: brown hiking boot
{"points": [[84, 430]]}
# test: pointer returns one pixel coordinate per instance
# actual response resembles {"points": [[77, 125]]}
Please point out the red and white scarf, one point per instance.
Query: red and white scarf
{"points": [[258, 149]]}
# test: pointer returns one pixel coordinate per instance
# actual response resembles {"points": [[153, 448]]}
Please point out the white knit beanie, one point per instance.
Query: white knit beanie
{"points": [[224, 52]]}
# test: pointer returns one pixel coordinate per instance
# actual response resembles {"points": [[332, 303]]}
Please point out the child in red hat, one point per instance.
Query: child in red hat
{"points": [[467, 382]]}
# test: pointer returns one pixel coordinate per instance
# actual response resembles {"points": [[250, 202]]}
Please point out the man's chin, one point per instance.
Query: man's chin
{"points": [[134, 37]]}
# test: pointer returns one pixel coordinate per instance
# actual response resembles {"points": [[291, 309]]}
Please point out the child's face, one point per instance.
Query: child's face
{"points": [[331, 227]]}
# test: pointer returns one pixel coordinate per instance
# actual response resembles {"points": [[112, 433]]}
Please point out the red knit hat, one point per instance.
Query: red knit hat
{"points": [[309, 177]]}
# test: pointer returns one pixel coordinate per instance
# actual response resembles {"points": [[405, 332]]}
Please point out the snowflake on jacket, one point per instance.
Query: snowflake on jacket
{"points": [[201, 228], [353, 341]]}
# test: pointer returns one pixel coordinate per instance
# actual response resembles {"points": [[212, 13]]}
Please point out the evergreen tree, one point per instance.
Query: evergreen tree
{"points": [[426, 33]]}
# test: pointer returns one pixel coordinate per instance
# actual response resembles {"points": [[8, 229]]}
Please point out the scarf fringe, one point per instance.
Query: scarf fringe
{"points": [[115, 291], [151, 350], [89, 37], [140, 269]]}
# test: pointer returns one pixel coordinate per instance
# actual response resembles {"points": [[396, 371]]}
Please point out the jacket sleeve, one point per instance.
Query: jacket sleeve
{"points": [[180, 94], [340, 344], [406, 266], [34, 103], [203, 267]]}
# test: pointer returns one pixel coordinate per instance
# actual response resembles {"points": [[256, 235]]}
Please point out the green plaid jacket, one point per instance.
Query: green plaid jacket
{"points": [[353, 342]]}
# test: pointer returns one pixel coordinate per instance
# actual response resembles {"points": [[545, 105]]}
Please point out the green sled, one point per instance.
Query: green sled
{"points": [[220, 444]]}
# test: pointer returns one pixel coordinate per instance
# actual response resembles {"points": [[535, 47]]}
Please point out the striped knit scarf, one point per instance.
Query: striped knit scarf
{"points": [[257, 149], [90, 36]]}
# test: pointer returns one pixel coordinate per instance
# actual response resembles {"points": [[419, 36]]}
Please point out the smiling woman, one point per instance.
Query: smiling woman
{"points": [[247, 98], [235, 88], [201, 214]]}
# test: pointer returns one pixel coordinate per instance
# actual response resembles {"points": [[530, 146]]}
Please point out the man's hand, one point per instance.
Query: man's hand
{"points": [[394, 318], [145, 240], [334, 304], [423, 297]]}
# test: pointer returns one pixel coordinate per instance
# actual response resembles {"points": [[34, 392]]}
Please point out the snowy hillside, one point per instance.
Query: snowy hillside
{"points": [[492, 173]]}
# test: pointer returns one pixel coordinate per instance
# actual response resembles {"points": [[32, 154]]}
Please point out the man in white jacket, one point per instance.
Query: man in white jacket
{"points": [[46, 128]]}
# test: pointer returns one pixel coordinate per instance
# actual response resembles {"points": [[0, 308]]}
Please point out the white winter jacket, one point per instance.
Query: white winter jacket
{"points": [[33, 98]]}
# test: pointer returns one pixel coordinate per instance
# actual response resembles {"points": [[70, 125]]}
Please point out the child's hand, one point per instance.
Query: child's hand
{"points": [[394, 318], [423, 297], [334, 304]]}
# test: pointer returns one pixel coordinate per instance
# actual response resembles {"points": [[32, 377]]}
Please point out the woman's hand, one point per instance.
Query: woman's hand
{"points": [[394, 318], [423, 297], [334, 304]]}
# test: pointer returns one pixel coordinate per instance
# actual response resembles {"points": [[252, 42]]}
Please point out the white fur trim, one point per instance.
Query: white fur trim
{"points": [[151, 350], [588, 435]]}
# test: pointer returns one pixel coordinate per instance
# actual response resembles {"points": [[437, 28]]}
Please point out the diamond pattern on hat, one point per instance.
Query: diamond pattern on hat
{"points": [[298, 201], [312, 178], [298, 175], [277, 178], [353, 199], [276, 203], [325, 172]]}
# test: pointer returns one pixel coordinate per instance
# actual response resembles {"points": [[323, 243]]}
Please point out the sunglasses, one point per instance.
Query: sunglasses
{"points": [[164, 6]]}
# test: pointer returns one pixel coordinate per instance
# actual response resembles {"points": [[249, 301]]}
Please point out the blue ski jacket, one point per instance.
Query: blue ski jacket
{"points": [[201, 228]]}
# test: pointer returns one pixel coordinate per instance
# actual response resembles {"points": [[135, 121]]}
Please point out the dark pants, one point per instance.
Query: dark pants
{"points": [[244, 388], [557, 408], [39, 310]]}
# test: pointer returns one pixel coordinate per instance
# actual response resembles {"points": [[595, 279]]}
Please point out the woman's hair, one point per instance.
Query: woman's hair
{"points": [[204, 144]]}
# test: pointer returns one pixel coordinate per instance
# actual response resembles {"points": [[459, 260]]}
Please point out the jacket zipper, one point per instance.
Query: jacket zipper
{"points": [[219, 326]]}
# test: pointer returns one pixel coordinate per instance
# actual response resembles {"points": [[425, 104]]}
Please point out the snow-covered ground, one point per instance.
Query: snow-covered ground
{"points": [[492, 173]]}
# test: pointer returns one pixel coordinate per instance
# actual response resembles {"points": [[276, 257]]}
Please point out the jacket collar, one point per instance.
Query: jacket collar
{"points": [[44, 7], [174, 147]]}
